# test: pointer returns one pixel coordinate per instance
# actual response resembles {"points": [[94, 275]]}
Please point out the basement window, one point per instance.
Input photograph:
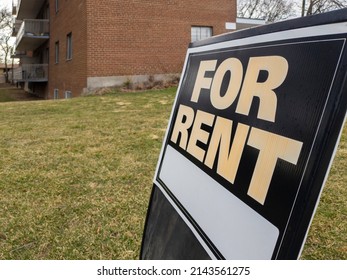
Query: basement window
{"points": [[200, 32], [68, 94], [56, 93]]}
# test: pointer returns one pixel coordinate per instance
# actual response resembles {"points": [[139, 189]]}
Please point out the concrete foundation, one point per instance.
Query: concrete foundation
{"points": [[94, 83]]}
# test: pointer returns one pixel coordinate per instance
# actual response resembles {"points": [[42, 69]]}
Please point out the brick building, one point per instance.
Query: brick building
{"points": [[70, 47]]}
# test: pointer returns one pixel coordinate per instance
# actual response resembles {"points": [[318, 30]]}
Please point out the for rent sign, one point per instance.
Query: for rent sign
{"points": [[257, 117], [224, 138]]}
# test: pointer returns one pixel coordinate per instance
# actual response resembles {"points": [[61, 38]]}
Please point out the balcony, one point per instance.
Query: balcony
{"points": [[16, 24], [32, 34], [28, 8], [18, 54], [31, 73]]}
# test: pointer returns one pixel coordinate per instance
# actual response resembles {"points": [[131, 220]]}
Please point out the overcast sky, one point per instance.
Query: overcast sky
{"points": [[7, 3]]}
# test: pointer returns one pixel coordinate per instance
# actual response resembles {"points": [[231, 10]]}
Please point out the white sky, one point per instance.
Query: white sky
{"points": [[7, 3]]}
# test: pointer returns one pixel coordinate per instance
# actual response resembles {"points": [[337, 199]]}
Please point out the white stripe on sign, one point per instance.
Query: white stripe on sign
{"points": [[236, 230]]}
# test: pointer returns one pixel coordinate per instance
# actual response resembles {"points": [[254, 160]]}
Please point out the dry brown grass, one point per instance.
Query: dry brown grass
{"points": [[76, 175]]}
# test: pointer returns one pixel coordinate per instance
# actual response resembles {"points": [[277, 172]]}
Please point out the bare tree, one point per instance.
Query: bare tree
{"points": [[269, 10], [5, 20], [312, 7], [5, 36], [6, 49]]}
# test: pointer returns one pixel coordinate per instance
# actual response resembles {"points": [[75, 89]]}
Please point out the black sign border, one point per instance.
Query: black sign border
{"points": [[301, 217]]}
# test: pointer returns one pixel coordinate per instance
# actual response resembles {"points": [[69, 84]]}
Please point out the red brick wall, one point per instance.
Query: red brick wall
{"points": [[68, 75], [134, 37], [148, 36]]}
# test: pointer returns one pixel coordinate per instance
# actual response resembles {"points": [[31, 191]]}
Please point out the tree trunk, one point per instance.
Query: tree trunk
{"points": [[6, 71]]}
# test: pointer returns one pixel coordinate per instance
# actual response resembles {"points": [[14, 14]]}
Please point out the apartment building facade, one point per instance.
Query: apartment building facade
{"points": [[67, 48]]}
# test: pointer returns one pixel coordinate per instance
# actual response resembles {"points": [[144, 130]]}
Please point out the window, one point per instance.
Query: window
{"points": [[56, 93], [68, 94], [56, 6], [200, 33], [69, 46], [45, 12], [46, 56], [57, 52]]}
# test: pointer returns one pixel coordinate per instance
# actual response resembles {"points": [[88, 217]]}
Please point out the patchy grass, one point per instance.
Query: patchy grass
{"points": [[76, 175], [9, 93], [327, 238], [5, 95]]}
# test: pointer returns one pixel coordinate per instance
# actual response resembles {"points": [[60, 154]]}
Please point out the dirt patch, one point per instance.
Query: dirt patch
{"points": [[130, 86], [13, 93]]}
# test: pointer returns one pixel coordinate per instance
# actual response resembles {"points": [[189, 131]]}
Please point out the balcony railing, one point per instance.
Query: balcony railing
{"points": [[16, 24], [32, 33], [16, 75], [30, 73], [18, 54], [33, 28]]}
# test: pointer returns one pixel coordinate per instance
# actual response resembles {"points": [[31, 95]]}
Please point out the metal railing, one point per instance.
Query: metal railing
{"points": [[16, 75], [33, 28], [30, 73], [18, 54]]}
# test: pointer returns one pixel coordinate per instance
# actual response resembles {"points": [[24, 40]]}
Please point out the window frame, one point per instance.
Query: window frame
{"points": [[69, 46], [56, 6], [56, 51], [56, 94], [68, 94], [196, 33]]}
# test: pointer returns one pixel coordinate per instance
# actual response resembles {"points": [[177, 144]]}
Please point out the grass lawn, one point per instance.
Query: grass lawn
{"points": [[76, 176], [5, 95], [9, 93]]}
